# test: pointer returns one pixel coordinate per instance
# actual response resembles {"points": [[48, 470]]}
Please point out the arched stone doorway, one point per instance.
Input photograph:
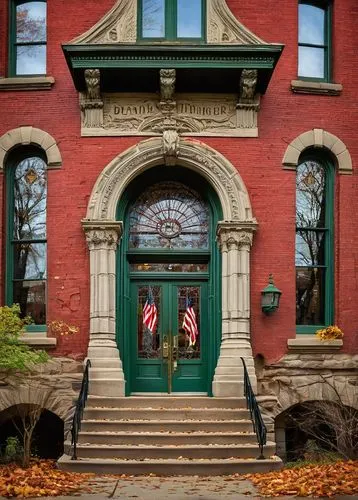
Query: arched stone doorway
{"points": [[233, 234], [168, 283]]}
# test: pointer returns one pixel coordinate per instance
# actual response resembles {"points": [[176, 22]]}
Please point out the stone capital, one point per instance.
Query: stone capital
{"points": [[102, 234], [235, 235]]}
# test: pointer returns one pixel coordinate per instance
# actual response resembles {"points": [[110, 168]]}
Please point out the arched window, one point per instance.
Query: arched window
{"points": [[171, 19], [314, 243], [314, 39], [27, 38], [26, 267], [169, 215]]}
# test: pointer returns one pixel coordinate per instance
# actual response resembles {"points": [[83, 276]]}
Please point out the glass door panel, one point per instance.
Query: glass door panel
{"points": [[169, 335], [148, 319]]}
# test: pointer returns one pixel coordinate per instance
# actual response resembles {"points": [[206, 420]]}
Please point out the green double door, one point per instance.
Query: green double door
{"points": [[164, 356]]}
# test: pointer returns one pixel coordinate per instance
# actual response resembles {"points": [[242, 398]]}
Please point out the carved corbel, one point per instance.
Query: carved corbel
{"points": [[167, 103], [249, 101], [91, 102]]}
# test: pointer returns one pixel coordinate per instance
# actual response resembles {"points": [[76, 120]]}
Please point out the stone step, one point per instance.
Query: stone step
{"points": [[169, 467], [167, 425], [165, 402], [109, 372], [173, 452], [105, 363], [167, 438], [165, 414]]}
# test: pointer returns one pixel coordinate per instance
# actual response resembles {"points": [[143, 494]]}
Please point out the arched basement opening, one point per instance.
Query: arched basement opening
{"points": [[317, 430], [48, 435]]}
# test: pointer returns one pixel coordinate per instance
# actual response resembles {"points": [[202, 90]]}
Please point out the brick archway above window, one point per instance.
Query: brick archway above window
{"points": [[318, 138], [25, 136]]}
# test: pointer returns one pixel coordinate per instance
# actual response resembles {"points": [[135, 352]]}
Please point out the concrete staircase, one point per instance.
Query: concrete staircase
{"points": [[168, 436]]}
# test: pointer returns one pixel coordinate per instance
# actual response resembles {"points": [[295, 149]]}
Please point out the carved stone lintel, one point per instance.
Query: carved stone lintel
{"points": [[171, 144], [91, 102], [102, 234], [235, 235]]}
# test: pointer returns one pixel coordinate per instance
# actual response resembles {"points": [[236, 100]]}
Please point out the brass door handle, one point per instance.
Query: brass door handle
{"points": [[165, 347]]}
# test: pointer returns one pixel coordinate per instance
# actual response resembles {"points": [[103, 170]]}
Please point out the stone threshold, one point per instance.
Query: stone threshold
{"points": [[311, 344]]}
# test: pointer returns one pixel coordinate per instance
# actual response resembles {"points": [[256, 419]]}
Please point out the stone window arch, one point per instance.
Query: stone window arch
{"points": [[318, 138], [25, 136]]}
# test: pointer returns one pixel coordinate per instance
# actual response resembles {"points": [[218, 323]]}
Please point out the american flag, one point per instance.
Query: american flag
{"points": [[150, 317], [189, 322]]}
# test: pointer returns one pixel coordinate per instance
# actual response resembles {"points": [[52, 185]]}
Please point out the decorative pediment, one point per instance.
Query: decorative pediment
{"points": [[211, 87], [119, 25]]}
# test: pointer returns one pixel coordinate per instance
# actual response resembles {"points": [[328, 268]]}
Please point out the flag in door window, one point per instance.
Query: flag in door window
{"points": [[150, 316], [189, 322]]}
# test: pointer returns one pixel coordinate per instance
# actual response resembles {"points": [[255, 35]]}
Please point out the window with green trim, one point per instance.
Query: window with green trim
{"points": [[314, 39], [314, 243], [27, 38], [171, 19], [26, 186]]}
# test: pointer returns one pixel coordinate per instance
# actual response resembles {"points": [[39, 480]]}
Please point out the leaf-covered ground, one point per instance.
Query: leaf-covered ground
{"points": [[40, 479], [325, 480], [44, 479]]}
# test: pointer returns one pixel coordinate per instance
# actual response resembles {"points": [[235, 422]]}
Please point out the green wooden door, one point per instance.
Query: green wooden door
{"points": [[164, 356]]}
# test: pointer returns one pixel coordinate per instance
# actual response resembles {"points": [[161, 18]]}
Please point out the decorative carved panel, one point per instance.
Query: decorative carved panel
{"points": [[193, 114]]}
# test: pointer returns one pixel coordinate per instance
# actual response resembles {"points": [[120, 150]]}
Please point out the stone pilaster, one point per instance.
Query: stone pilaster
{"points": [[235, 240], [106, 375]]}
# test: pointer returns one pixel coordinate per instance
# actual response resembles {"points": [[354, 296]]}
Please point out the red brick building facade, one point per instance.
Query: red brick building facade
{"points": [[307, 117]]}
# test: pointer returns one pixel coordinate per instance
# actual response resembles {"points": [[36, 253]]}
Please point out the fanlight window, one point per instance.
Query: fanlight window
{"points": [[169, 215]]}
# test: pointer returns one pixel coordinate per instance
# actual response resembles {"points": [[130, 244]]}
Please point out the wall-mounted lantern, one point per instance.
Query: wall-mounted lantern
{"points": [[270, 297]]}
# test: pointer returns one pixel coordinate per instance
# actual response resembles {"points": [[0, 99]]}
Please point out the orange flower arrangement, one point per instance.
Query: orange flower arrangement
{"points": [[332, 332], [61, 328]]}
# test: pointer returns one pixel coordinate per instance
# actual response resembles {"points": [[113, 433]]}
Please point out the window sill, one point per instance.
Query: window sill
{"points": [[39, 340], [27, 83], [310, 87], [310, 343]]}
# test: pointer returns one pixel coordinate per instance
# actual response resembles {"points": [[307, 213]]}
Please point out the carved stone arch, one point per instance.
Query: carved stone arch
{"points": [[318, 138], [234, 236], [24, 136], [194, 155]]}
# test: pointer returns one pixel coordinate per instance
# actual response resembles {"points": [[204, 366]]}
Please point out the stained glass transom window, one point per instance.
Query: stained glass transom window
{"points": [[169, 215]]}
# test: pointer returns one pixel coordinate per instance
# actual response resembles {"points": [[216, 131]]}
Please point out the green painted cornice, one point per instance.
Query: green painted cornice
{"points": [[125, 63]]}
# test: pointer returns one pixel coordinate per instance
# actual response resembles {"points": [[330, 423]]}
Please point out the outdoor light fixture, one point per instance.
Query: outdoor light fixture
{"points": [[270, 297]]}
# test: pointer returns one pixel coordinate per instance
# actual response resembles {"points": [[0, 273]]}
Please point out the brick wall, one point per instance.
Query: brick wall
{"points": [[283, 116]]}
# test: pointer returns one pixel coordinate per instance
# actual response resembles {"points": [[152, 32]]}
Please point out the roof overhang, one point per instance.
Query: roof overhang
{"points": [[199, 68]]}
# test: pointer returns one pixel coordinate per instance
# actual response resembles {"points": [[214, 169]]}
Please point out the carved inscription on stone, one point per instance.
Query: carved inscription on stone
{"points": [[199, 114]]}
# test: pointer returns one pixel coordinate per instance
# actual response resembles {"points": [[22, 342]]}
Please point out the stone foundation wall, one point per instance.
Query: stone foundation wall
{"points": [[54, 384], [296, 378]]}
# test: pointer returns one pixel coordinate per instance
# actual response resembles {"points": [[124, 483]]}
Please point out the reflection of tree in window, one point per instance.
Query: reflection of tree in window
{"points": [[29, 236], [312, 233], [30, 42]]}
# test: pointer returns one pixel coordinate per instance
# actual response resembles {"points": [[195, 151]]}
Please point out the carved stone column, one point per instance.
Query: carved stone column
{"points": [[106, 375], [235, 240]]}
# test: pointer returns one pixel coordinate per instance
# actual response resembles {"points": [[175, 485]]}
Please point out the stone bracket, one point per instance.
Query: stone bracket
{"points": [[91, 102]]}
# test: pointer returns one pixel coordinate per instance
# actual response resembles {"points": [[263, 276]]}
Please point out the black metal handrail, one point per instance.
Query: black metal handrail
{"points": [[80, 406], [256, 417]]}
